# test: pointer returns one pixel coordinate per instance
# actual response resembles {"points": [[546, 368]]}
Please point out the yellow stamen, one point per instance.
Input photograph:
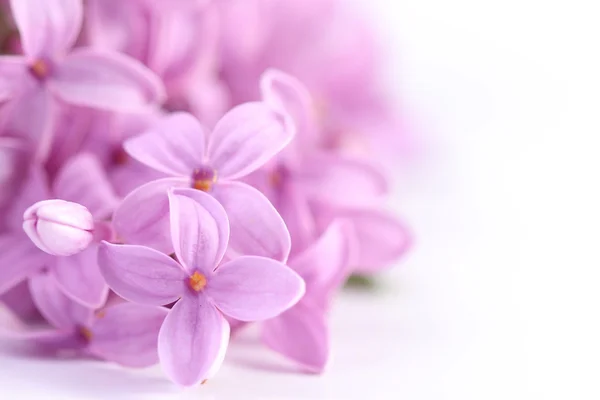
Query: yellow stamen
{"points": [[204, 382], [86, 333], [204, 185], [40, 69], [197, 281]]}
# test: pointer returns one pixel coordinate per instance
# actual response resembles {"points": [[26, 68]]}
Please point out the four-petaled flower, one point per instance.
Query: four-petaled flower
{"points": [[194, 337]]}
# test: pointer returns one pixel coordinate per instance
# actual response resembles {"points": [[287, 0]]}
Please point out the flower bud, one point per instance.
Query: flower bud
{"points": [[59, 227]]}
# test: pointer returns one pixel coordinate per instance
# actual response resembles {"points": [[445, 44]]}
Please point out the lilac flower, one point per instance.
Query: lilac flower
{"points": [[242, 141], [125, 333], [14, 163], [193, 339], [178, 40], [301, 333], [49, 73], [82, 181]]}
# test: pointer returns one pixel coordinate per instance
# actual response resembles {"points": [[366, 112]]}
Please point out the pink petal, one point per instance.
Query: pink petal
{"points": [[83, 180], [12, 327], [295, 210], [12, 73], [290, 97], [106, 80], [254, 288], [199, 229], [192, 341], [47, 27], [14, 160], [58, 309], [31, 115], [174, 146], [334, 179], [128, 334], [324, 266], [34, 189], [245, 139], [79, 277], [19, 259], [257, 229], [141, 274], [381, 238], [143, 216], [300, 334]]}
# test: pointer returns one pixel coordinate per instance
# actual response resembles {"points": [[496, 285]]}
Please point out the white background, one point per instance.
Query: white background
{"points": [[499, 298]]}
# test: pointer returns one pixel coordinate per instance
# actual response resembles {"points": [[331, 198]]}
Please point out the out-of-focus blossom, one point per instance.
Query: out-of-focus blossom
{"points": [[125, 333], [194, 337], [50, 72]]}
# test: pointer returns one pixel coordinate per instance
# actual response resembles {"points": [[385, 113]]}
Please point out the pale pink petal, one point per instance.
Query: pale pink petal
{"points": [[257, 229], [300, 334], [339, 180], [19, 259], [47, 27], [294, 208], [143, 216], [254, 288], [324, 266], [35, 188], [380, 236], [31, 115], [12, 73], [58, 309], [199, 229], [245, 139], [80, 278], [83, 180], [14, 162], [141, 274], [290, 97], [12, 327], [175, 145], [106, 80], [192, 341], [128, 334]]}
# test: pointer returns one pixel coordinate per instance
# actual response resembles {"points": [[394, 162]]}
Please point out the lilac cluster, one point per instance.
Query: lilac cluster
{"points": [[164, 181]]}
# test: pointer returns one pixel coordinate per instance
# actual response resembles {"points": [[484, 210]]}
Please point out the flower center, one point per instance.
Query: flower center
{"points": [[197, 281], [40, 69], [203, 178], [86, 333]]}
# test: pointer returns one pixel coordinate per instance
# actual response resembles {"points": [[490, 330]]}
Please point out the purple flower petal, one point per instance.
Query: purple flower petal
{"points": [[47, 27], [254, 288], [143, 216], [257, 229], [380, 236], [79, 277], [175, 145], [31, 115], [192, 341], [12, 327], [12, 73], [106, 80], [324, 266], [128, 334], [300, 334], [199, 229], [82, 180], [245, 139], [334, 179], [141, 274], [19, 259], [58, 309]]}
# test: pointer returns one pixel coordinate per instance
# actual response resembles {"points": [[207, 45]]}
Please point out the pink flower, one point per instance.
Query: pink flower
{"points": [[124, 333], [50, 72], [59, 227], [302, 333], [194, 336], [245, 138]]}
